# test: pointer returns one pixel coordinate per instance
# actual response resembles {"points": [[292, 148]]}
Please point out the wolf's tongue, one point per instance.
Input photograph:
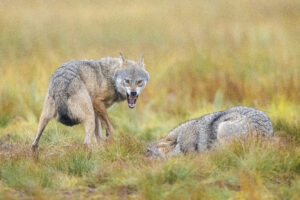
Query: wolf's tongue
{"points": [[131, 101]]}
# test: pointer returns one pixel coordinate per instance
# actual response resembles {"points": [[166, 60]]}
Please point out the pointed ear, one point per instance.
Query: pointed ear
{"points": [[122, 57], [141, 61]]}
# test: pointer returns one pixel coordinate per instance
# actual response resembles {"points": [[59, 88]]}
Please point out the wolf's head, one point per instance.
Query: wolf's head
{"points": [[131, 79], [154, 151]]}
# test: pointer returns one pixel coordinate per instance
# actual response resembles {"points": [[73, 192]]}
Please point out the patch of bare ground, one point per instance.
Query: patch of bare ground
{"points": [[10, 150], [125, 191]]}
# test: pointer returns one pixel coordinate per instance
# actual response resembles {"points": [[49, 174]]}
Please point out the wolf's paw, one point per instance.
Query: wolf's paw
{"points": [[34, 147], [110, 139], [87, 146], [100, 143]]}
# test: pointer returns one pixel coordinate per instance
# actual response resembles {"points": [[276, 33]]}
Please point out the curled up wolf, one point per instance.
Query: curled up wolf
{"points": [[81, 91], [201, 134]]}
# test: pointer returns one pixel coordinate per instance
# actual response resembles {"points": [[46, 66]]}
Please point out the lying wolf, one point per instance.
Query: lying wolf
{"points": [[200, 134], [81, 91]]}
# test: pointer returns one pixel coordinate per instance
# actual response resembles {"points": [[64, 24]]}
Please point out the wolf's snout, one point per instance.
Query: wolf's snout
{"points": [[133, 93], [131, 98]]}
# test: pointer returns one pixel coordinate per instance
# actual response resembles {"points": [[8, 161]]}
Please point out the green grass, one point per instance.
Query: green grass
{"points": [[202, 56]]}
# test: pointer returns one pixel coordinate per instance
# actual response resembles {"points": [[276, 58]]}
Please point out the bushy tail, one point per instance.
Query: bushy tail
{"points": [[64, 114]]}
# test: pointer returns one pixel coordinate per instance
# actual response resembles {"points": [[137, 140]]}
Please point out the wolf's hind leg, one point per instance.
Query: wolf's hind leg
{"points": [[47, 114], [81, 108], [89, 126], [234, 127]]}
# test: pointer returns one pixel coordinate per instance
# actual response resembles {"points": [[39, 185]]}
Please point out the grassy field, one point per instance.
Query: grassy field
{"points": [[202, 56]]}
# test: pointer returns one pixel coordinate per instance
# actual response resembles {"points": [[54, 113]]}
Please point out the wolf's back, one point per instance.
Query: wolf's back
{"points": [[199, 134]]}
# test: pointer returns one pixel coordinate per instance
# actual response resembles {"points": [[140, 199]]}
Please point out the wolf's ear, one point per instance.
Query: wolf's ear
{"points": [[141, 61], [124, 61], [122, 57]]}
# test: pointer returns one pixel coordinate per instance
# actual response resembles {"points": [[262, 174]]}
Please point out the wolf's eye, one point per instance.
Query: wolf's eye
{"points": [[127, 81], [140, 82]]}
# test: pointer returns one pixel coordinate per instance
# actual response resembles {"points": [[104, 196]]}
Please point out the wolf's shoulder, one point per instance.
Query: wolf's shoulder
{"points": [[244, 110], [109, 61]]}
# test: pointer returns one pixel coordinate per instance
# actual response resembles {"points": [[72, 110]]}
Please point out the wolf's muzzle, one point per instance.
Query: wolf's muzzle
{"points": [[131, 99], [133, 93]]}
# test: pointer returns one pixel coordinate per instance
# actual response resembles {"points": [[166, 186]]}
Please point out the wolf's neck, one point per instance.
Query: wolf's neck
{"points": [[118, 96]]}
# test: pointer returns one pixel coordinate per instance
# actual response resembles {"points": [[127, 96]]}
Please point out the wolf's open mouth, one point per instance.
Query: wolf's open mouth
{"points": [[131, 100]]}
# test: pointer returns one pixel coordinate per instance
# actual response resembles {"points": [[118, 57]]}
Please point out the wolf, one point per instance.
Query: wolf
{"points": [[201, 134], [80, 91]]}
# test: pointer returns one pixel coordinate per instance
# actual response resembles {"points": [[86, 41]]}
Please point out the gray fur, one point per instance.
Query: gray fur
{"points": [[80, 91], [200, 134]]}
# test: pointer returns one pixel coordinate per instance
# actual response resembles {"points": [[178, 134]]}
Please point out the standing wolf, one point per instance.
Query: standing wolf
{"points": [[81, 91], [200, 134]]}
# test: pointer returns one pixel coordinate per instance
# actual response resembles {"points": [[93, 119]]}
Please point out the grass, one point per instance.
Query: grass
{"points": [[202, 56]]}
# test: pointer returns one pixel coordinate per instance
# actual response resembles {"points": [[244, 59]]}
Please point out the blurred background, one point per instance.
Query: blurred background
{"points": [[202, 56]]}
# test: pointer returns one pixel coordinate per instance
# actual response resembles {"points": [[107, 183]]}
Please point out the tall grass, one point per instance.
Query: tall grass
{"points": [[202, 56]]}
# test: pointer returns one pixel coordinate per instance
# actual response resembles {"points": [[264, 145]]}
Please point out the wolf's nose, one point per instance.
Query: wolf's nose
{"points": [[133, 93]]}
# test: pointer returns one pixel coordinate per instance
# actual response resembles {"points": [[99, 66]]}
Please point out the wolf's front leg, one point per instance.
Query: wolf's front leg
{"points": [[98, 130], [100, 109]]}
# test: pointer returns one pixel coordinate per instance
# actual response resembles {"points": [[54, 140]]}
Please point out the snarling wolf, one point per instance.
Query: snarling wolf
{"points": [[81, 91], [201, 134]]}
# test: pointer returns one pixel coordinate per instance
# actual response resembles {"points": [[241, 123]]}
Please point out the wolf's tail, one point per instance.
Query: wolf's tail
{"points": [[64, 114]]}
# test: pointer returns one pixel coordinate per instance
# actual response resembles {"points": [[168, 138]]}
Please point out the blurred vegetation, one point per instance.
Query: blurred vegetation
{"points": [[202, 56]]}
